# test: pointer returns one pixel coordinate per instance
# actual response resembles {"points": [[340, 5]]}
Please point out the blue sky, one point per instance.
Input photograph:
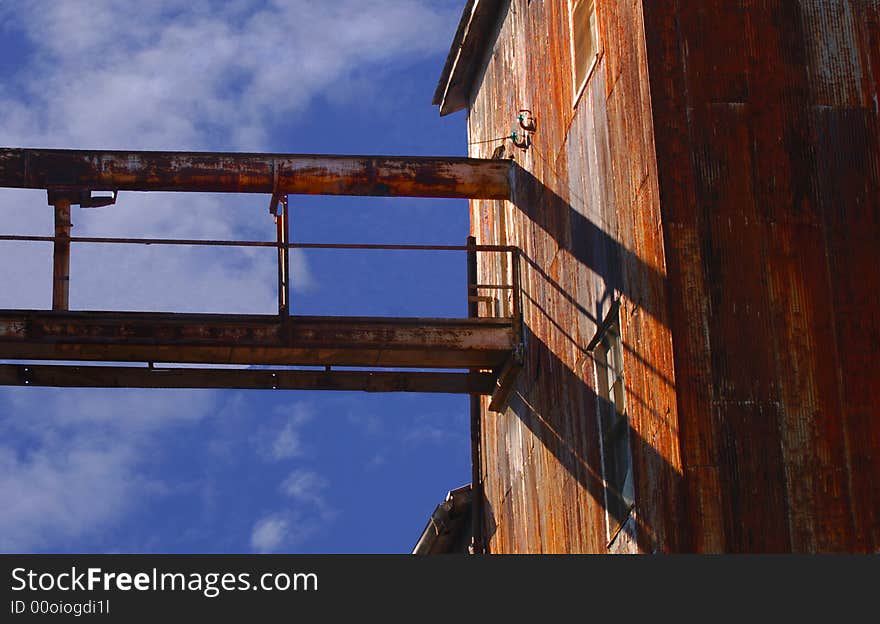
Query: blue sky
{"points": [[230, 471]]}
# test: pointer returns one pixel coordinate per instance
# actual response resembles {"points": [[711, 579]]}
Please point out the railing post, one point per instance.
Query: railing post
{"points": [[473, 302], [517, 289], [476, 413], [61, 254], [282, 226]]}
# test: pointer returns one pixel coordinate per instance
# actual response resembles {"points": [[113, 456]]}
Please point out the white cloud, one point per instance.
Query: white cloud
{"points": [[59, 494], [71, 462], [285, 530], [288, 444], [162, 74], [282, 438], [171, 74], [306, 486], [309, 514], [430, 433], [269, 533], [376, 461], [125, 415], [371, 423], [437, 429], [112, 74]]}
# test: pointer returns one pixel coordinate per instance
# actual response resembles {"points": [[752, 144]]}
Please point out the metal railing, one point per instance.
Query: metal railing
{"points": [[475, 291]]}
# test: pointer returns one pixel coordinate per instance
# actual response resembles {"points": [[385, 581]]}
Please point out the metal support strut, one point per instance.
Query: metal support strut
{"points": [[282, 226], [61, 254], [476, 410]]}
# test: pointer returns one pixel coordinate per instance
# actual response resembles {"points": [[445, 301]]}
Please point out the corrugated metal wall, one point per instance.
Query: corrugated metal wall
{"points": [[766, 116], [586, 214], [734, 145]]}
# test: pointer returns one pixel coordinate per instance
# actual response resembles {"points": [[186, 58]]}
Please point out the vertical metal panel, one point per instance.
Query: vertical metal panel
{"points": [[766, 119], [585, 212]]}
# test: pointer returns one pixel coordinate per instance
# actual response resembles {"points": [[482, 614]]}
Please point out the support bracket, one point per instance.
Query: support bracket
{"points": [[507, 378]]}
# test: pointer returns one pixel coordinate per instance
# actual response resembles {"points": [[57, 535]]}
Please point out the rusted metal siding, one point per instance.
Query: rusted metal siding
{"points": [[586, 214], [721, 174], [766, 116]]}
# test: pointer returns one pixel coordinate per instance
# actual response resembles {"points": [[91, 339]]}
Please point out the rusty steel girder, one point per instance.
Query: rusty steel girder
{"points": [[255, 339], [71, 176], [389, 176], [73, 376]]}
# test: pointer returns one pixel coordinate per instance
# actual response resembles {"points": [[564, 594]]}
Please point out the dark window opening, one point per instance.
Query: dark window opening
{"points": [[613, 424], [584, 41]]}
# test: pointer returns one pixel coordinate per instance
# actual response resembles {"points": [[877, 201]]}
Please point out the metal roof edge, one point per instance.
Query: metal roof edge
{"points": [[453, 89], [447, 518]]}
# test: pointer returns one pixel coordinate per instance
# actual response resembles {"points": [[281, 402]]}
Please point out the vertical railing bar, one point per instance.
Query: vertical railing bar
{"points": [[282, 242], [286, 216], [473, 303], [475, 411], [517, 289], [61, 253]]}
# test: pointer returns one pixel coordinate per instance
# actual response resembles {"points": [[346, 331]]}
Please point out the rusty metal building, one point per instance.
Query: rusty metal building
{"points": [[673, 277], [696, 197]]}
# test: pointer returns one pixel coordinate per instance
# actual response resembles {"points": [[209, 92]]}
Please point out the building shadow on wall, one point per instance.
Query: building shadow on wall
{"points": [[556, 403], [619, 268], [569, 430]]}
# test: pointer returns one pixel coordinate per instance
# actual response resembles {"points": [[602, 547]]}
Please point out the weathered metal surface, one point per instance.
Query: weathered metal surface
{"points": [[252, 339], [506, 383], [477, 525], [198, 242], [767, 144], [71, 376], [720, 174], [61, 255], [282, 238], [585, 213], [402, 176]]}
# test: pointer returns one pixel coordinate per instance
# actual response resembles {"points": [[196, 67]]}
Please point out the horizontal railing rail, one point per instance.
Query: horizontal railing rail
{"points": [[198, 242]]}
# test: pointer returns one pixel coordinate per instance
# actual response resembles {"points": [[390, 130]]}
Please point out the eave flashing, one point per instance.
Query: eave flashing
{"points": [[477, 20]]}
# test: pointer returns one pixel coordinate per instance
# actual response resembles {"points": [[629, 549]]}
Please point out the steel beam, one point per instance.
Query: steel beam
{"points": [[506, 383], [69, 376], [404, 176], [255, 339]]}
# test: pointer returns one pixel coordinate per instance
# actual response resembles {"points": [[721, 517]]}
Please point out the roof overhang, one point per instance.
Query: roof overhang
{"points": [[448, 529], [477, 21]]}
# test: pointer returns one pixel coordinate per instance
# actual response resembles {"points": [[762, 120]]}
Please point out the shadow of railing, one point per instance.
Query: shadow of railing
{"points": [[555, 399], [620, 268], [569, 431]]}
